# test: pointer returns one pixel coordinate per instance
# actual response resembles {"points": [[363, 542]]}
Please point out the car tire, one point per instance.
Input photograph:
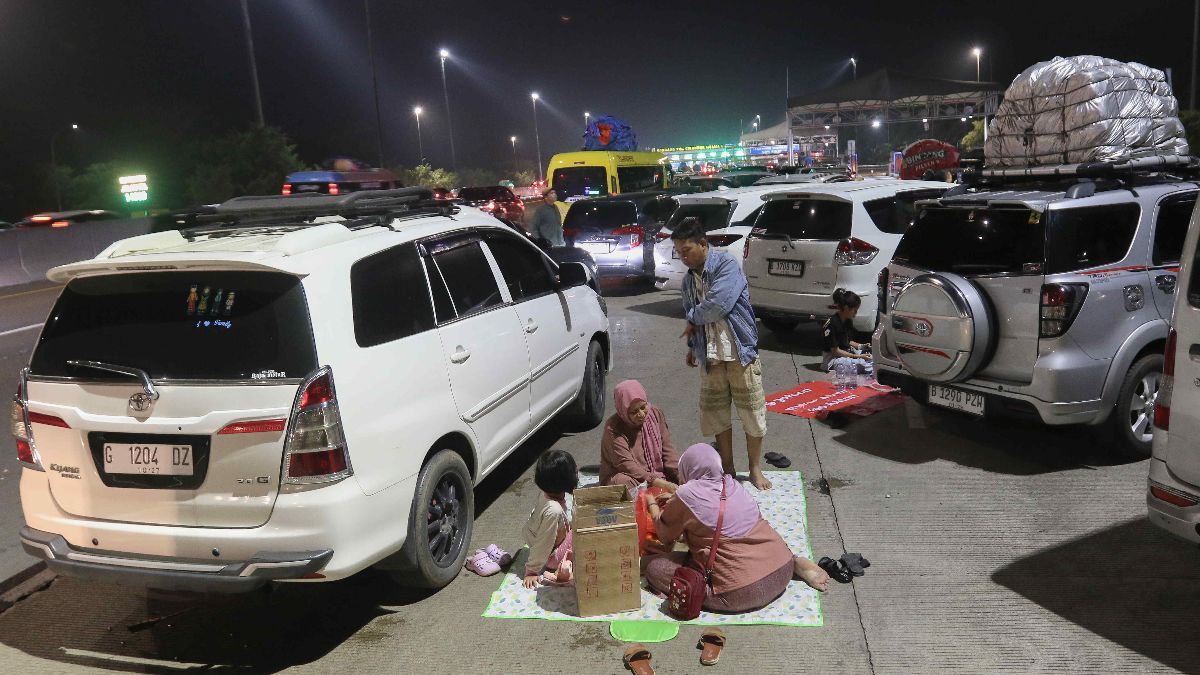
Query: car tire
{"points": [[1131, 421], [779, 326], [428, 562], [587, 411]]}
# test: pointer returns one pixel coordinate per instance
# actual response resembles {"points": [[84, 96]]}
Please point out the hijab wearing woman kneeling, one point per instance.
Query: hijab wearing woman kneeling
{"points": [[637, 443], [753, 564]]}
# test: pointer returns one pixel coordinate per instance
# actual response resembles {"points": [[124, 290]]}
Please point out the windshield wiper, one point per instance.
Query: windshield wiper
{"points": [[140, 374]]}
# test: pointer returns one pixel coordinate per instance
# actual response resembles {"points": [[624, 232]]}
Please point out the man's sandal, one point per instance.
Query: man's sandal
{"points": [[637, 660], [710, 644]]}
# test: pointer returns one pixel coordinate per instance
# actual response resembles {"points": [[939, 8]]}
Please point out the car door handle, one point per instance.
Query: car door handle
{"points": [[460, 354], [1166, 283], [531, 326]]}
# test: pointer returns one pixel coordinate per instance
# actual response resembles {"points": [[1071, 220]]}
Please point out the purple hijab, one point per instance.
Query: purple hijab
{"points": [[701, 477]]}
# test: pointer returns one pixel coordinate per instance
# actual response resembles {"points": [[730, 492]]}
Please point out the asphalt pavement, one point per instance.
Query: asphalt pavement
{"points": [[994, 547]]}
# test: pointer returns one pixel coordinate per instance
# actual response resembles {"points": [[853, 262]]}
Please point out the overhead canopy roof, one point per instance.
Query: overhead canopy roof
{"points": [[884, 87]]}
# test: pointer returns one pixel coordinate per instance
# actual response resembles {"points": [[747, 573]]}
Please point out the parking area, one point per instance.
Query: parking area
{"points": [[995, 546]]}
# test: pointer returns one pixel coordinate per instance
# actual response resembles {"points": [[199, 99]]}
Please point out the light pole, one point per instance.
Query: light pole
{"points": [[54, 162], [854, 65], [420, 150], [374, 82], [446, 93], [253, 64], [513, 140], [977, 52], [537, 139]]}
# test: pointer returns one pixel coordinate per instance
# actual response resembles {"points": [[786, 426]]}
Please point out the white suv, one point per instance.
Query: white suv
{"points": [[295, 389], [813, 239]]}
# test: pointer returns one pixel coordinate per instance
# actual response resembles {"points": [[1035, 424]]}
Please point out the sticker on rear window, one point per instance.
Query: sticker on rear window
{"points": [[267, 374]]}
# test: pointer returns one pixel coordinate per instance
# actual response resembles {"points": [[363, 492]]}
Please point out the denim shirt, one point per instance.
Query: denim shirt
{"points": [[728, 298]]}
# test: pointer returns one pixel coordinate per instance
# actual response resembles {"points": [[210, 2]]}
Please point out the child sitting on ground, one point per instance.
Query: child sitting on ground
{"points": [[547, 531], [838, 347]]}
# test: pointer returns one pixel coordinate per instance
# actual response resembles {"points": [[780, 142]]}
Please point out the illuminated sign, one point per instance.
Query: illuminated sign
{"points": [[134, 188]]}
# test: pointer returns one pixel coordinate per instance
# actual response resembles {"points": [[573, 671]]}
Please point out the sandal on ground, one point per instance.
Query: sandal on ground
{"points": [[482, 564], [855, 563], [835, 569], [637, 660], [502, 557], [710, 644], [779, 461]]}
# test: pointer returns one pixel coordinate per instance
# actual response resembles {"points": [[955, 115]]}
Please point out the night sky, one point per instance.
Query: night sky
{"points": [[132, 72]]}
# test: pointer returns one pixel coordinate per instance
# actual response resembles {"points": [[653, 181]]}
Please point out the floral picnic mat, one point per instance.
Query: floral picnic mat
{"points": [[784, 507]]}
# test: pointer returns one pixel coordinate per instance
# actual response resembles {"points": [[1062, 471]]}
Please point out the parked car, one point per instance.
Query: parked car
{"points": [[743, 177], [67, 218], [727, 216], [494, 199], [230, 405], [706, 183], [1173, 489], [618, 231], [1045, 297], [805, 177], [815, 238], [335, 182]]}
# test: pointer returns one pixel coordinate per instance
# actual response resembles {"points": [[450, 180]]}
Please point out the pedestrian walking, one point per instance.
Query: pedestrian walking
{"points": [[722, 337], [547, 221]]}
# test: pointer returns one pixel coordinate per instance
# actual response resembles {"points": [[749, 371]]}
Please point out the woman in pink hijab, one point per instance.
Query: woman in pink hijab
{"points": [[753, 564], [637, 444]]}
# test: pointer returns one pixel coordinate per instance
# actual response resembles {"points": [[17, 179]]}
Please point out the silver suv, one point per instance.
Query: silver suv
{"points": [[1046, 296]]}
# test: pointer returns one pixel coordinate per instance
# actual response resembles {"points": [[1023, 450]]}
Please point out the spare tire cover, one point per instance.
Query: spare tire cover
{"points": [[942, 327]]}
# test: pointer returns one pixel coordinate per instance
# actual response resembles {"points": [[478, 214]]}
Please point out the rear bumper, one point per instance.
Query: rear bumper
{"points": [[177, 575], [811, 306], [1183, 522]]}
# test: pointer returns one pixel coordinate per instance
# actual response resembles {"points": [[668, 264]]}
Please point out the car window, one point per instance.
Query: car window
{"points": [[181, 325], [1170, 229], [389, 296], [523, 267], [481, 193], [600, 215], [712, 216], [895, 215], [468, 276], [580, 181], [975, 241], [1081, 238], [750, 217], [805, 219], [639, 178]]}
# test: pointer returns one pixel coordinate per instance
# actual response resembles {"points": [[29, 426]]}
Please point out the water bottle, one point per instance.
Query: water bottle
{"points": [[841, 376]]}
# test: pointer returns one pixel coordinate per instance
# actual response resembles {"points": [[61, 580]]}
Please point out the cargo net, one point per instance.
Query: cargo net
{"points": [[1085, 109]]}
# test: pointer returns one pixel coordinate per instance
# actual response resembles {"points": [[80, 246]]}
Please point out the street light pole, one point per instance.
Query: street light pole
{"points": [[513, 140], [374, 83], [54, 163], [258, 109], [854, 65], [420, 149], [536, 138], [977, 52], [586, 115], [446, 93]]}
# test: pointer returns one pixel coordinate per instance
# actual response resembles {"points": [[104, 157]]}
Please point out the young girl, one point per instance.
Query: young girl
{"points": [[839, 348], [547, 531]]}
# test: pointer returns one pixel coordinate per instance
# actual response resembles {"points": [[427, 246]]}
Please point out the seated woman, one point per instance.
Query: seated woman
{"points": [[753, 564], [637, 444], [838, 347]]}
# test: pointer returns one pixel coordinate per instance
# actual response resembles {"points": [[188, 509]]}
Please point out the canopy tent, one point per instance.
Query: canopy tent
{"points": [[889, 96]]}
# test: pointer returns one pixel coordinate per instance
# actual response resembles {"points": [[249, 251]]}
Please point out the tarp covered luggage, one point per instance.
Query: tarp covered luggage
{"points": [[1085, 109]]}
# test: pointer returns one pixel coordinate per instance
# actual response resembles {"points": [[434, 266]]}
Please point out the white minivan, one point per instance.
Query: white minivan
{"points": [[813, 239], [295, 389]]}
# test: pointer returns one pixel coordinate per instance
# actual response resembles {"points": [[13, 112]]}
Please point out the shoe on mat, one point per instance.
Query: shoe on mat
{"points": [[502, 557], [835, 569], [710, 644], [637, 660], [482, 564]]}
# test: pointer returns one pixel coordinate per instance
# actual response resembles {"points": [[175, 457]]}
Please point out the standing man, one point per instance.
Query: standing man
{"points": [[723, 338], [547, 223]]}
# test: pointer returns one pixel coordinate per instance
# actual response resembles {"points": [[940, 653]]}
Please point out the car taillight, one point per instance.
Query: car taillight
{"points": [[854, 251], [61, 223], [490, 206], [287, 188], [1162, 402], [1060, 304], [1172, 496], [662, 235], [333, 189], [315, 451], [635, 234], [722, 239], [882, 283], [22, 429]]}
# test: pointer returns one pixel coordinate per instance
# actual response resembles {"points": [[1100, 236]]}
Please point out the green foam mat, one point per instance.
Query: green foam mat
{"points": [[643, 630], [784, 507]]}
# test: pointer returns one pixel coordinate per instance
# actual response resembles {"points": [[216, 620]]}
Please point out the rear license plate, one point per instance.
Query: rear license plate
{"points": [[786, 268], [956, 399], [148, 459], [596, 247]]}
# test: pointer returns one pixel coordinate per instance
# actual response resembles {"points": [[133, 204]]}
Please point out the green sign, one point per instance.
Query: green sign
{"points": [[135, 189]]}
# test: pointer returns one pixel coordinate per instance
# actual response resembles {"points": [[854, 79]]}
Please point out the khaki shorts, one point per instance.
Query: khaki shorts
{"points": [[728, 382]]}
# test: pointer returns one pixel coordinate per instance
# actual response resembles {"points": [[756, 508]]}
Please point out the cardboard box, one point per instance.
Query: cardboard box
{"points": [[607, 566]]}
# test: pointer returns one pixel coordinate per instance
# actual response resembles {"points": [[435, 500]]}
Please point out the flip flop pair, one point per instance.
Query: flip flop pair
{"points": [[844, 569], [777, 460], [637, 656]]}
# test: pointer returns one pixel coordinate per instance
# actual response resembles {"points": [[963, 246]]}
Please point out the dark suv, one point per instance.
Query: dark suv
{"points": [[495, 199]]}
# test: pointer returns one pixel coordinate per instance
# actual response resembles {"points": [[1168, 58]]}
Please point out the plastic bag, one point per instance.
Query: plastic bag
{"points": [[645, 523]]}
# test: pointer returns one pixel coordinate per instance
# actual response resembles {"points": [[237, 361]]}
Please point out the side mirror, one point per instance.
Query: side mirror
{"points": [[572, 274]]}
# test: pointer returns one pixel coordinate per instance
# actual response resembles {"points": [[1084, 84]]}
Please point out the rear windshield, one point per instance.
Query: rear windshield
{"points": [[975, 241], [712, 216], [896, 214], [580, 181], [181, 325], [481, 193], [805, 219], [605, 216]]}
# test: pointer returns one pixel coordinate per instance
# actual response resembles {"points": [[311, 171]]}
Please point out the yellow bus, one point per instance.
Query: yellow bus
{"points": [[593, 173]]}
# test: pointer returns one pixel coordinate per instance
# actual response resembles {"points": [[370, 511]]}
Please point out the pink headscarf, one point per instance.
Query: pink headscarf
{"points": [[701, 477], [626, 394]]}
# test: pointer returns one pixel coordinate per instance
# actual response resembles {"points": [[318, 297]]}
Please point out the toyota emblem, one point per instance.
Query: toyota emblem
{"points": [[140, 402], [923, 328]]}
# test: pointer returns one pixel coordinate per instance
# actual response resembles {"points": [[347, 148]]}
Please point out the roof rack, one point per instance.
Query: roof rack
{"points": [[1143, 165]]}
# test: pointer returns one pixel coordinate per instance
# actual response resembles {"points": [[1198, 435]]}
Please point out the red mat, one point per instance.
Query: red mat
{"points": [[815, 400]]}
